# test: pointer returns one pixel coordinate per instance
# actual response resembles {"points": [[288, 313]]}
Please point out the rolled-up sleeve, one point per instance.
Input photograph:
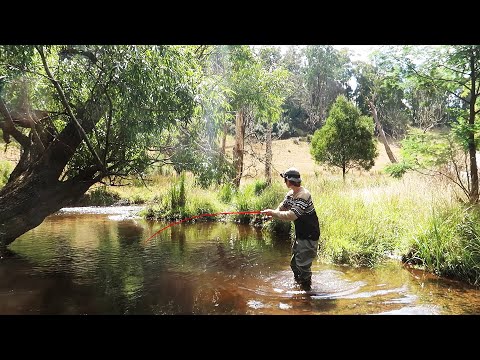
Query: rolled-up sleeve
{"points": [[288, 215]]}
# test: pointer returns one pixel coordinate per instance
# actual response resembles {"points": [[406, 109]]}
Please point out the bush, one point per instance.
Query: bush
{"points": [[98, 197], [226, 193]]}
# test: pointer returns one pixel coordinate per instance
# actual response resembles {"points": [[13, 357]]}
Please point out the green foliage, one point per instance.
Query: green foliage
{"points": [[350, 240], [6, 169], [426, 149], [208, 167], [346, 140], [461, 131], [441, 154], [201, 203], [295, 114], [325, 63], [450, 245], [245, 200], [254, 85], [177, 194], [226, 192], [137, 91], [171, 206], [100, 197], [259, 186], [397, 170], [257, 196], [270, 198], [326, 75], [369, 219], [196, 148], [385, 82]]}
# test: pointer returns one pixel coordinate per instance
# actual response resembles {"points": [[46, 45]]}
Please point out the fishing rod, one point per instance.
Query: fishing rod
{"points": [[202, 215]]}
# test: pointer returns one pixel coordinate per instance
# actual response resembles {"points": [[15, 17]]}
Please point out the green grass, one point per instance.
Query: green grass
{"points": [[450, 244]]}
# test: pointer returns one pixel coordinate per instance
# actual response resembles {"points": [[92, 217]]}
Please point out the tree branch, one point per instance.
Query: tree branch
{"points": [[8, 127], [441, 79], [456, 71], [64, 101], [70, 51]]}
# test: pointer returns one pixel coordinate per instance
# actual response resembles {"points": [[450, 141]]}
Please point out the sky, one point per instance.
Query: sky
{"points": [[360, 52]]}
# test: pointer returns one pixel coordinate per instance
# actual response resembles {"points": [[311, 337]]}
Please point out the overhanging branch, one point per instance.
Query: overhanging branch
{"points": [[64, 101]]}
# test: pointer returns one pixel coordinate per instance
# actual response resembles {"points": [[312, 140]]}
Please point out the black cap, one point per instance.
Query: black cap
{"points": [[291, 174]]}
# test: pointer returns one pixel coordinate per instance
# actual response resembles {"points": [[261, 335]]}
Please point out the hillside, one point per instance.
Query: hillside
{"points": [[296, 153]]}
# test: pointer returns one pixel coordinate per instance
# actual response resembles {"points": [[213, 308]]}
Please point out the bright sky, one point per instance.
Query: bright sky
{"points": [[360, 52]]}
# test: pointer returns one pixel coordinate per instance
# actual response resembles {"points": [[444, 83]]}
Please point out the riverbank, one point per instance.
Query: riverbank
{"points": [[365, 220]]}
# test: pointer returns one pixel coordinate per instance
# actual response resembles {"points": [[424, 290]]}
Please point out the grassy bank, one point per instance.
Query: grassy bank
{"points": [[369, 218], [364, 221]]}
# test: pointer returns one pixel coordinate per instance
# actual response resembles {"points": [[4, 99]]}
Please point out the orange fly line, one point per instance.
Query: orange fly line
{"points": [[199, 216]]}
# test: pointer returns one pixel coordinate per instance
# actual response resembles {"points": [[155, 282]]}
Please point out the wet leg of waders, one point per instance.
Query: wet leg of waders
{"points": [[305, 253], [293, 264]]}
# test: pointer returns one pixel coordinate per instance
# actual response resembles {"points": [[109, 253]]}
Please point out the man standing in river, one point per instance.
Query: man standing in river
{"points": [[298, 207]]}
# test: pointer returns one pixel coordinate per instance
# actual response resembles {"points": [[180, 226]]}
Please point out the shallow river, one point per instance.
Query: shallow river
{"points": [[97, 261]]}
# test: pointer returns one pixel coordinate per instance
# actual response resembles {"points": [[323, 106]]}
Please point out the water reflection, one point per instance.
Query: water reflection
{"points": [[79, 262]]}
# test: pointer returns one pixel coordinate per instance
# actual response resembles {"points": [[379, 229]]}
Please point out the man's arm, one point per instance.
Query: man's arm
{"points": [[287, 215]]}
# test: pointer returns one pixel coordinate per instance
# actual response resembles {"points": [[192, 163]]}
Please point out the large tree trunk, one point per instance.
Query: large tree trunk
{"points": [[238, 149], [32, 198], [268, 154], [34, 190], [383, 138]]}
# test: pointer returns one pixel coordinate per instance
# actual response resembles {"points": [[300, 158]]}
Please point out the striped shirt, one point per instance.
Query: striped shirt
{"points": [[299, 208]]}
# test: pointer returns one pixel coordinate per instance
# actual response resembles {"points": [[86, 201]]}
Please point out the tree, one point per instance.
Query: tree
{"points": [[327, 72], [196, 145], [258, 95], [383, 83], [435, 154], [278, 82], [295, 115], [93, 114], [346, 140], [370, 85], [456, 70]]}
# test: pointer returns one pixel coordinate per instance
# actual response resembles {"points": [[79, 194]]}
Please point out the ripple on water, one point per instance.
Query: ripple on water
{"points": [[327, 284], [414, 310], [107, 210], [255, 304]]}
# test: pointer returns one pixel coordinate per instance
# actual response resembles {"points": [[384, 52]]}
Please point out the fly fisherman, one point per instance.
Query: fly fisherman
{"points": [[298, 207]]}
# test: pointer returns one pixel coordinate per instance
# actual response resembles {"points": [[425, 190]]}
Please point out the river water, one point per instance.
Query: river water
{"points": [[97, 261]]}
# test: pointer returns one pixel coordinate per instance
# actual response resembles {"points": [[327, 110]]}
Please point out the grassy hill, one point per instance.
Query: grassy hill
{"points": [[295, 152]]}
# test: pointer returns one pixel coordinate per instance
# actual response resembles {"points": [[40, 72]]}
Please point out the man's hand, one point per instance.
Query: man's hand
{"points": [[267, 212]]}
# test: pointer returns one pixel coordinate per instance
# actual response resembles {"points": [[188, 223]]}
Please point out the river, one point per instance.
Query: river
{"points": [[96, 260]]}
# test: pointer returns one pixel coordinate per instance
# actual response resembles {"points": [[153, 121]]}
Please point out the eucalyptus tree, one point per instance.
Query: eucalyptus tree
{"points": [[257, 95], [295, 114], [371, 85], [279, 84], [383, 83], [456, 70], [199, 146], [327, 72], [346, 140], [83, 115]]}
